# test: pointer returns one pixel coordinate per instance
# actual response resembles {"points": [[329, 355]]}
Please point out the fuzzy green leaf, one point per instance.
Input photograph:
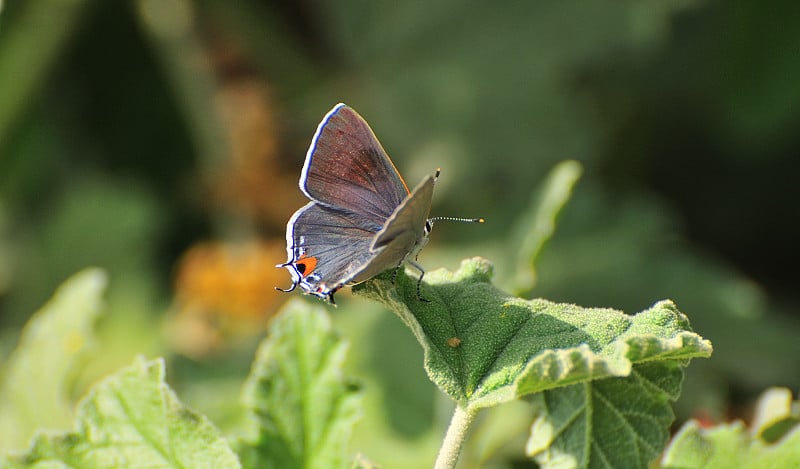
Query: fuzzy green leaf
{"points": [[774, 440], [483, 346], [36, 381], [132, 419], [303, 406]]}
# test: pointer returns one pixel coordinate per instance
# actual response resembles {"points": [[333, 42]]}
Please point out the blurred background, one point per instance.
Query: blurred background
{"points": [[163, 141]]}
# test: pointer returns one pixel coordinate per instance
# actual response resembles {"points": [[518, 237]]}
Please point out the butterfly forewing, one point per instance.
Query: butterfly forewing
{"points": [[346, 167], [402, 233], [410, 216]]}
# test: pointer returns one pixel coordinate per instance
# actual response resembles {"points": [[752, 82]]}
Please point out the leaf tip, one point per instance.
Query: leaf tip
{"points": [[476, 269]]}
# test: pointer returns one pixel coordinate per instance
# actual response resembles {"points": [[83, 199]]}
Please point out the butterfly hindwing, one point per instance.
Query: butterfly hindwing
{"points": [[346, 167], [325, 245]]}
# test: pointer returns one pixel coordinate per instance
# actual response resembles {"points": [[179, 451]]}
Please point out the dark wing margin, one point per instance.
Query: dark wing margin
{"points": [[346, 167]]}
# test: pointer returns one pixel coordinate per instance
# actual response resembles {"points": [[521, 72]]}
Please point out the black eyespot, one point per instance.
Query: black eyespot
{"points": [[300, 268]]}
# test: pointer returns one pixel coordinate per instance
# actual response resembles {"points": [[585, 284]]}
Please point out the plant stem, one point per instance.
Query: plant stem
{"points": [[455, 438]]}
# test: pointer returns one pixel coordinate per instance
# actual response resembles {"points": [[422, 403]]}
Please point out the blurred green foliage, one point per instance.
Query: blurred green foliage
{"points": [[56, 342], [770, 441], [114, 129]]}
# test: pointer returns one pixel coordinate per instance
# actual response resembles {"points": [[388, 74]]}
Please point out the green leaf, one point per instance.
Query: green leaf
{"points": [[132, 419], [774, 440], [775, 415], [556, 192], [484, 347], [37, 378], [614, 422], [304, 408]]}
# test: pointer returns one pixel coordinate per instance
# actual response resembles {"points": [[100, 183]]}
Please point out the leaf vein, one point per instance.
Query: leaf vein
{"points": [[623, 418], [502, 350], [140, 430]]}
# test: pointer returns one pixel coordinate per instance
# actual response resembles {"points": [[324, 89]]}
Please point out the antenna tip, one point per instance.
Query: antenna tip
{"points": [[480, 220]]}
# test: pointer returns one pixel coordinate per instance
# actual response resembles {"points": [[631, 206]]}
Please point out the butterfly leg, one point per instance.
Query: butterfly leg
{"points": [[419, 280], [394, 273]]}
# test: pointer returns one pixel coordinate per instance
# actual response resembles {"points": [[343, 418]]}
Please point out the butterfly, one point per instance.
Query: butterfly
{"points": [[361, 219]]}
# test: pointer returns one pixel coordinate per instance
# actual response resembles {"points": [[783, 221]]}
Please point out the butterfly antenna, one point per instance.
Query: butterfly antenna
{"points": [[464, 220]]}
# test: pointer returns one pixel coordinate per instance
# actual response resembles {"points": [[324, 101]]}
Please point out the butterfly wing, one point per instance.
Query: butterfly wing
{"points": [[403, 234], [346, 167], [362, 219], [325, 245], [410, 216]]}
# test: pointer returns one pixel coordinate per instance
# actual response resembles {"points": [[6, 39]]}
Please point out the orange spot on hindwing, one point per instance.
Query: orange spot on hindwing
{"points": [[306, 265]]}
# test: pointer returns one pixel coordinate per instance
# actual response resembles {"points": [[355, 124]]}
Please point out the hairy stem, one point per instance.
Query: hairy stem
{"points": [[455, 438]]}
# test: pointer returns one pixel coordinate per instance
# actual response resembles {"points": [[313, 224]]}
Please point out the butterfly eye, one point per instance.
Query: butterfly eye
{"points": [[428, 227], [306, 265]]}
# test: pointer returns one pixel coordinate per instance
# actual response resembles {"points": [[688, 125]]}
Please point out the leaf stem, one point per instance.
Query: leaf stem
{"points": [[455, 437]]}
